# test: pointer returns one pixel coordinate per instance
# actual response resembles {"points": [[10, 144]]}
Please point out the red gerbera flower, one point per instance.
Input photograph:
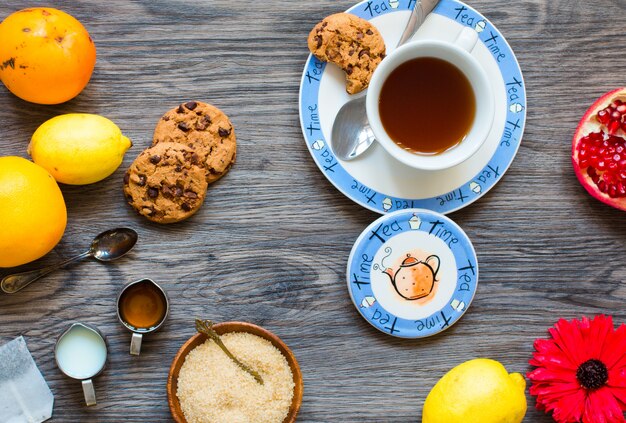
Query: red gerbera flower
{"points": [[581, 371]]}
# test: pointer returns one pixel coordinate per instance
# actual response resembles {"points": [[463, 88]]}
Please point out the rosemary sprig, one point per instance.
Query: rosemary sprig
{"points": [[206, 327]]}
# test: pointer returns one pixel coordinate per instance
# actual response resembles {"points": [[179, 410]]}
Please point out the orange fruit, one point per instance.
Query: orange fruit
{"points": [[32, 211], [46, 55]]}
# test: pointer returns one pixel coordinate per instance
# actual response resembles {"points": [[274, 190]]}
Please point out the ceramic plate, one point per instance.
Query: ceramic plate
{"points": [[377, 181], [412, 273]]}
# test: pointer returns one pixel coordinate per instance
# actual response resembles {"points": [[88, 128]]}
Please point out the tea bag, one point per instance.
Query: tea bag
{"points": [[25, 396]]}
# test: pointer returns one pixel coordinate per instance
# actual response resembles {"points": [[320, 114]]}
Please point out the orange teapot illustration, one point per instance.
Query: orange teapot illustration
{"points": [[414, 279]]}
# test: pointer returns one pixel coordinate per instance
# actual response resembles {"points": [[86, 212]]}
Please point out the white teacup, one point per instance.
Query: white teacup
{"points": [[458, 54]]}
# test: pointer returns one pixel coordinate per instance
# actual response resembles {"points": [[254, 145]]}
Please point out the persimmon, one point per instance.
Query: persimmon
{"points": [[46, 55]]}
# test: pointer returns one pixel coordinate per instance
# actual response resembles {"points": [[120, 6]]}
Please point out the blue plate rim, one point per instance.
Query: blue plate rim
{"points": [[389, 216]]}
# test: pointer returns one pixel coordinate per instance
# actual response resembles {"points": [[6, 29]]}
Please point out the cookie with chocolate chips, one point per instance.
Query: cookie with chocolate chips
{"points": [[166, 183], [204, 128], [352, 43]]}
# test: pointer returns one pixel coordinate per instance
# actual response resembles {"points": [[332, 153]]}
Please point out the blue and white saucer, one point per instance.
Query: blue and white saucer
{"points": [[377, 181], [412, 273]]}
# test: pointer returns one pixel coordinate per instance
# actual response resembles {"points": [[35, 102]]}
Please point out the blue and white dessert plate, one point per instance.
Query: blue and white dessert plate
{"points": [[376, 180], [412, 273]]}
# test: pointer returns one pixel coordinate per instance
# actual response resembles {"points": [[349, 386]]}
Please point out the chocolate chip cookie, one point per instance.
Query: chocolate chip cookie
{"points": [[352, 43], [204, 128], [166, 183]]}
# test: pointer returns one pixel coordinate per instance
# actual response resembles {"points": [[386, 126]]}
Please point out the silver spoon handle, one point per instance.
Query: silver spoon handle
{"points": [[420, 11], [18, 281]]}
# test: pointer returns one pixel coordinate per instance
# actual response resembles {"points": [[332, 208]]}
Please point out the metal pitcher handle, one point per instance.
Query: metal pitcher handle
{"points": [[135, 344], [89, 392]]}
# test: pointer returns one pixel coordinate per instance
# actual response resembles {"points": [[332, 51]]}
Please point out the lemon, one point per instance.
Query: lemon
{"points": [[32, 211], [78, 148], [477, 391]]}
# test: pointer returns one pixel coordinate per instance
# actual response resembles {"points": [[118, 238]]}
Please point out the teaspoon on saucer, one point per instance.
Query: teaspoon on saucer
{"points": [[351, 133], [107, 246]]}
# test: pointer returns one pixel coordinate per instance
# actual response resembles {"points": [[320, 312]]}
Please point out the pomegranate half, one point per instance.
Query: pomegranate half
{"points": [[599, 149]]}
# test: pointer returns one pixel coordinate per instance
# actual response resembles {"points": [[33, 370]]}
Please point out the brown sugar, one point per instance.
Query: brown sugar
{"points": [[213, 389]]}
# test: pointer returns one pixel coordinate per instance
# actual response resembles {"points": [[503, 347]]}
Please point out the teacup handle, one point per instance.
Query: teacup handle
{"points": [[89, 392], [467, 39], [135, 344]]}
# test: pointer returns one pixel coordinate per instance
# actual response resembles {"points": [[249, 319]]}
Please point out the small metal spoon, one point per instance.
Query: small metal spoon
{"points": [[107, 246], [206, 327], [351, 134]]}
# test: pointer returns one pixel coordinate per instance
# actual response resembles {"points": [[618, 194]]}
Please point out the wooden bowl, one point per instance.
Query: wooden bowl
{"points": [[221, 328]]}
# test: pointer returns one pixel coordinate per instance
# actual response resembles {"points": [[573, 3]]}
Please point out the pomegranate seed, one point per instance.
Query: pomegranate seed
{"points": [[593, 175], [612, 116], [614, 127], [603, 117], [603, 156]]}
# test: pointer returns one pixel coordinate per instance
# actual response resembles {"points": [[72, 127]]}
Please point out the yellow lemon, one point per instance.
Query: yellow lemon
{"points": [[477, 391], [32, 212], [79, 148]]}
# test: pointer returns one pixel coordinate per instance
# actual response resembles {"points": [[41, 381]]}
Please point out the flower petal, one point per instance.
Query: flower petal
{"points": [[614, 351], [617, 383], [569, 409], [617, 379], [569, 339], [544, 374], [601, 407], [548, 353], [595, 335]]}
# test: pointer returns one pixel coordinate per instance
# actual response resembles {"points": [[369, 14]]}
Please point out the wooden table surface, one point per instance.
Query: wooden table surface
{"points": [[270, 244]]}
